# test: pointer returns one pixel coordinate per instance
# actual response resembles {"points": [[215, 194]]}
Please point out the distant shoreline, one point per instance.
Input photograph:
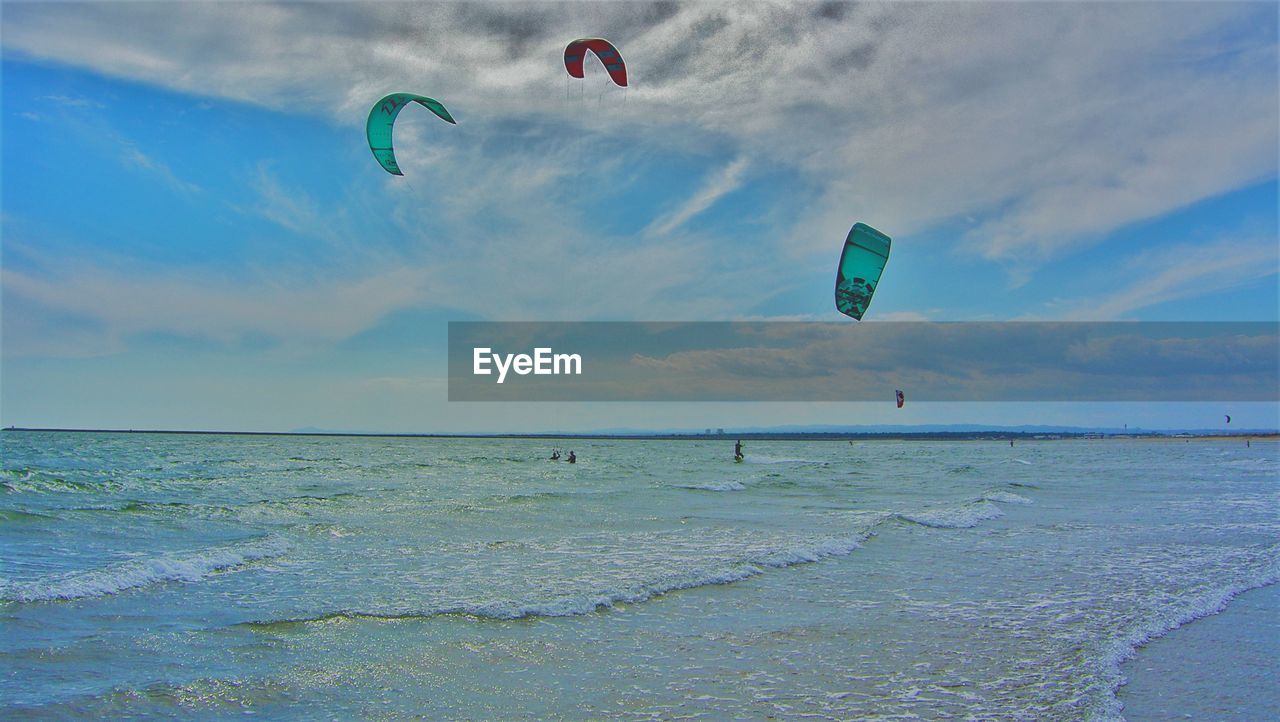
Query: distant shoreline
{"points": [[746, 436]]}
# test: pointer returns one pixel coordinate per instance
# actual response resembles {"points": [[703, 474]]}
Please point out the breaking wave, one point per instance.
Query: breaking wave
{"points": [[507, 610], [179, 567], [966, 516]]}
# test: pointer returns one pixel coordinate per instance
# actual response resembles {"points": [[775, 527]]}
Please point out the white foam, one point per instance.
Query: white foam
{"points": [[578, 605], [1192, 608], [188, 567], [1006, 497], [1261, 463], [755, 459], [718, 486], [16, 481]]}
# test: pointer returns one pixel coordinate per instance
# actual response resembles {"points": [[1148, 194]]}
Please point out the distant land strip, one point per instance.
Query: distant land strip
{"points": [[986, 435]]}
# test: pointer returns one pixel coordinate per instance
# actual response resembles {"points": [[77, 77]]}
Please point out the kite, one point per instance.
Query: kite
{"points": [[1228, 418], [383, 116], [901, 399], [866, 251], [576, 52]]}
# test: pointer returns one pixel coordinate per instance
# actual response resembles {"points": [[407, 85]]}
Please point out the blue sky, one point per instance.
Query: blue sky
{"points": [[195, 234]]}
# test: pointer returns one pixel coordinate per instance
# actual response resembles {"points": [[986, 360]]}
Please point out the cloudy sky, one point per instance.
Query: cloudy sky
{"points": [[195, 234]]}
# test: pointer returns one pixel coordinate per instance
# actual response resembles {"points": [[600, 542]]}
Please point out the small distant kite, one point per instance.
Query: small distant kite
{"points": [[866, 251], [1228, 418], [383, 115], [901, 399], [576, 52]]}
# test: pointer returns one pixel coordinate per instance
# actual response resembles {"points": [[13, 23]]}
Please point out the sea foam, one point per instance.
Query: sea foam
{"points": [[717, 486], [1188, 609], [580, 604], [181, 567], [1006, 497]]}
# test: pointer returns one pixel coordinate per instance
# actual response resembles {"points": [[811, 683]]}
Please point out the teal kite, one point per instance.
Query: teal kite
{"points": [[383, 116], [866, 251]]}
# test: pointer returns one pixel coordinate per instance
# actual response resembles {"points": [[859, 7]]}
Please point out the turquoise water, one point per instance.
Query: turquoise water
{"points": [[214, 575]]}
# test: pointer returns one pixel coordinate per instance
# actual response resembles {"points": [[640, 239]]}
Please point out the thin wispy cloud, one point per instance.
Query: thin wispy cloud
{"points": [[899, 316], [723, 183], [1178, 273], [292, 209], [70, 101], [195, 305], [135, 158]]}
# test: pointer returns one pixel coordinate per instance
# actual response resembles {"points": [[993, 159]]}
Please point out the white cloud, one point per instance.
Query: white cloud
{"points": [[527, 255], [1048, 125], [723, 183], [1053, 124], [69, 101], [1177, 273], [133, 157], [289, 207], [899, 316], [195, 304]]}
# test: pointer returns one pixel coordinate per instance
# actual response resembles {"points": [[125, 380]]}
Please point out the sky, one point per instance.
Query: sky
{"points": [[194, 234]]}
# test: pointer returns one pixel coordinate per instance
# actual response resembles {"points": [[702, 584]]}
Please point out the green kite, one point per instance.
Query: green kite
{"points": [[383, 116], [866, 251]]}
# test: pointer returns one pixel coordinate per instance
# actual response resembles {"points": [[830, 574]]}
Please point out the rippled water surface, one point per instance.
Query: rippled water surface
{"points": [[154, 574]]}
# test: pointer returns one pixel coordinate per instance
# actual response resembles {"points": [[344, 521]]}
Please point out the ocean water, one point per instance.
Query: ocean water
{"points": [[308, 577]]}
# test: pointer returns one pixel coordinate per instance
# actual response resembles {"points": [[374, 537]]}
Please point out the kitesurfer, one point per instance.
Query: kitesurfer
{"points": [[573, 458], [555, 454], [737, 451]]}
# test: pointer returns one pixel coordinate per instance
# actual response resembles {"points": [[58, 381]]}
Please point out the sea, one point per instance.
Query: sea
{"points": [[318, 577]]}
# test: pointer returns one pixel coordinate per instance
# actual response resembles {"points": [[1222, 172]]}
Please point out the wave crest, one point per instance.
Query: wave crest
{"points": [[189, 567], [955, 517]]}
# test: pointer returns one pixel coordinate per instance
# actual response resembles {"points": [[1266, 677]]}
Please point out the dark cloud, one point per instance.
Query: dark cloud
{"points": [[859, 58], [680, 52], [517, 26], [832, 10], [640, 17], [706, 28]]}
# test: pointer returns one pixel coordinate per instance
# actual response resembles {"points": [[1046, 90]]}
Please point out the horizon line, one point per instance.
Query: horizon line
{"points": [[975, 433]]}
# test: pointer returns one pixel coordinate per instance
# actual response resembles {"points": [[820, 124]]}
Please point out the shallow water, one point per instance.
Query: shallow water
{"points": [[1223, 667], [301, 576]]}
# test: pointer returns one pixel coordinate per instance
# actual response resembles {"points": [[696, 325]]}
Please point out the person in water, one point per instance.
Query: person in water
{"points": [[573, 458], [555, 454], [737, 451]]}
